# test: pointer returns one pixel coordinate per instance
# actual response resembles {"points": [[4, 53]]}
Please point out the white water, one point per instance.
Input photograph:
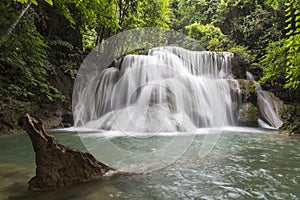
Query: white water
{"points": [[91, 133], [170, 89], [268, 110]]}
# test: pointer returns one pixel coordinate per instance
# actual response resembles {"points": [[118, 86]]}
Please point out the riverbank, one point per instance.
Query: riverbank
{"points": [[56, 115]]}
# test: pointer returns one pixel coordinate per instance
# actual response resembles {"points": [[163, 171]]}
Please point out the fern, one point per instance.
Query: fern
{"points": [[292, 74]]}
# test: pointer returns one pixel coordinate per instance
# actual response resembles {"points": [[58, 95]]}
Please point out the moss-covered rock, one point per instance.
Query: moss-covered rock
{"points": [[247, 115], [244, 90], [291, 117]]}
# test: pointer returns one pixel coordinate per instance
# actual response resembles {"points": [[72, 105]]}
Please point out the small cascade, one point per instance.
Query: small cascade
{"points": [[268, 109], [169, 89]]}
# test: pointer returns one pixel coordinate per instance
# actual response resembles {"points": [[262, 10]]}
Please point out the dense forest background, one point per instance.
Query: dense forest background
{"points": [[42, 43]]}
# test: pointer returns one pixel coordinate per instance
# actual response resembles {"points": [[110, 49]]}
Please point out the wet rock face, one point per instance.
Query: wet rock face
{"points": [[243, 88], [247, 115], [67, 119], [245, 102], [250, 104], [60, 118], [239, 66], [58, 165]]}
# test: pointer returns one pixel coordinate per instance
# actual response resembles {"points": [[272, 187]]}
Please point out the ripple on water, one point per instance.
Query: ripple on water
{"points": [[241, 166]]}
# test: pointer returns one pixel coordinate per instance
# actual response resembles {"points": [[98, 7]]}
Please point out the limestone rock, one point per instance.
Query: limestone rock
{"points": [[245, 102], [247, 115], [245, 88], [56, 164]]}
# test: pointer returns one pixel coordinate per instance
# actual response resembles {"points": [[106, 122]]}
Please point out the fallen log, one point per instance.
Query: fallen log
{"points": [[58, 165]]}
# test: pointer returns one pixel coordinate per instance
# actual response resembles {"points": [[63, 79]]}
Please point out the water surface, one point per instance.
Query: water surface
{"points": [[244, 164]]}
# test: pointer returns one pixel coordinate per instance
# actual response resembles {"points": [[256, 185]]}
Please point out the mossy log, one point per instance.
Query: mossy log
{"points": [[58, 165]]}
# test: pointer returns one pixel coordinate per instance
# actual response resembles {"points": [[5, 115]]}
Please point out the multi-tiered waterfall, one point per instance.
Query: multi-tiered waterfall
{"points": [[165, 91], [169, 89]]}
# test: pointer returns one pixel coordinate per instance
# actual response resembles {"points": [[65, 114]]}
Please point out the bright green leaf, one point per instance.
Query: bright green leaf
{"points": [[50, 2], [289, 26], [288, 9], [34, 2], [289, 19], [290, 32]]}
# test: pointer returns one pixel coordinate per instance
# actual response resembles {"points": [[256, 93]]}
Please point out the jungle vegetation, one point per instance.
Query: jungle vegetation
{"points": [[43, 42]]}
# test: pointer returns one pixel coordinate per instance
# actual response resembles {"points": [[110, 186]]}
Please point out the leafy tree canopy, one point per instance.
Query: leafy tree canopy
{"points": [[45, 41]]}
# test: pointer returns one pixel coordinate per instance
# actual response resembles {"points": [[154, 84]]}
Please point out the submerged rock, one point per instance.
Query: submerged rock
{"points": [[58, 165]]}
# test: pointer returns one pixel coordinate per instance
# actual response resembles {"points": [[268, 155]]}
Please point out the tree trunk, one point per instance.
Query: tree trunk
{"points": [[13, 25]]}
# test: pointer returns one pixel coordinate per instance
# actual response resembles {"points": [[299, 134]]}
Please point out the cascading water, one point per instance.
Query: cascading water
{"points": [[269, 111], [169, 89]]}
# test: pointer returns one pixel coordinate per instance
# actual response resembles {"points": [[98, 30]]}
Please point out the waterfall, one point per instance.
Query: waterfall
{"points": [[169, 89], [268, 109]]}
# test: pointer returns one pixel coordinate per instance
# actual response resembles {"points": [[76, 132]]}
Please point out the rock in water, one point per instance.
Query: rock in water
{"points": [[56, 164]]}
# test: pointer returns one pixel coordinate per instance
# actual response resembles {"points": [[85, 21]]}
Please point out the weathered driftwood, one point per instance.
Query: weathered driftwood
{"points": [[56, 164]]}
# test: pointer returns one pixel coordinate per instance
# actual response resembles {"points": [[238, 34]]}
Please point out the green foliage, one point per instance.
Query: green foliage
{"points": [[34, 1], [65, 59], [264, 33], [291, 116], [24, 63], [293, 62], [212, 38], [282, 62], [274, 63], [184, 12], [209, 36], [250, 24], [99, 19], [293, 44], [153, 13], [45, 48], [242, 52]]}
